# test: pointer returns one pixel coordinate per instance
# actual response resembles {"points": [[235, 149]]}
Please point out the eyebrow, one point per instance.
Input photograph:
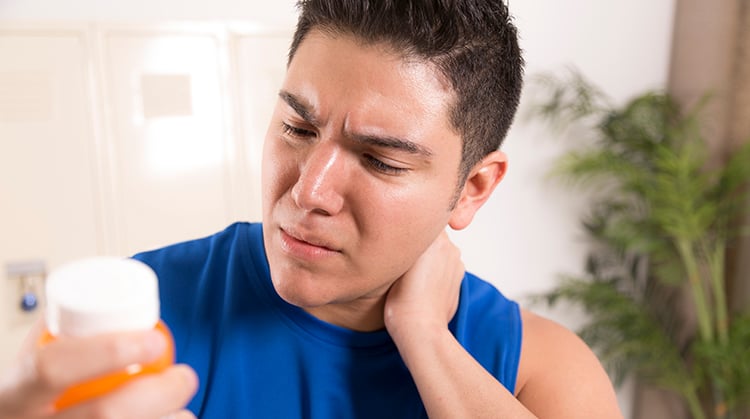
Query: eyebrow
{"points": [[394, 143], [304, 111]]}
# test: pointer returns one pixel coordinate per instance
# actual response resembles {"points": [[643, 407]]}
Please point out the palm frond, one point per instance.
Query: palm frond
{"points": [[729, 363], [625, 333], [569, 98], [659, 226]]}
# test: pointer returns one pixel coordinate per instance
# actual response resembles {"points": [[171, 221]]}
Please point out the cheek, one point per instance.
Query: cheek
{"points": [[404, 224], [277, 172], [267, 179]]}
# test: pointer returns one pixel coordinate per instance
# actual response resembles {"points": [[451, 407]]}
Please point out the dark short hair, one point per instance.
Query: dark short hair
{"points": [[473, 43]]}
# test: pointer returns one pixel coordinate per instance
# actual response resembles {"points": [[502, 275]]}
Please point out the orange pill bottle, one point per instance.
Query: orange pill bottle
{"points": [[104, 295]]}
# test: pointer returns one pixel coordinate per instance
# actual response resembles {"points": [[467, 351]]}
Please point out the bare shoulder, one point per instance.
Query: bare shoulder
{"points": [[559, 376]]}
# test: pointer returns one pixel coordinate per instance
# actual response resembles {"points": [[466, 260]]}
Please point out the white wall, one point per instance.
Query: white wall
{"points": [[528, 232], [266, 12]]}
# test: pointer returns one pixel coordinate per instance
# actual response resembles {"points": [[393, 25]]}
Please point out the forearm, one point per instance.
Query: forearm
{"points": [[451, 383]]}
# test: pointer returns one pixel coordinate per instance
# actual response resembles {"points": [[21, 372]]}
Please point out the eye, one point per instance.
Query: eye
{"points": [[296, 132], [382, 167]]}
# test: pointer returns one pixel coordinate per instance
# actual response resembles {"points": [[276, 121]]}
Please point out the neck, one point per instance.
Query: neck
{"points": [[362, 315]]}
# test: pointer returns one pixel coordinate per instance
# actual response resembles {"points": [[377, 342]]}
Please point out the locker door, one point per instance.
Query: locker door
{"points": [[47, 185], [168, 136], [260, 66]]}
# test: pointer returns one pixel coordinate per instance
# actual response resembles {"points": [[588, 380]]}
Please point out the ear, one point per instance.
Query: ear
{"points": [[479, 185]]}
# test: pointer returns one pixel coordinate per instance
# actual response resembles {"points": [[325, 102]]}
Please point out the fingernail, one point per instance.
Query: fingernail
{"points": [[188, 375], [154, 344]]}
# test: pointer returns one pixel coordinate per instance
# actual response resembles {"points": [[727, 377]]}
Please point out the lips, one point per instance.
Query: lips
{"points": [[305, 246]]}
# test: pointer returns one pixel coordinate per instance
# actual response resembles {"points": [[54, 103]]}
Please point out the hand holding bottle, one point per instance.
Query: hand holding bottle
{"points": [[102, 352]]}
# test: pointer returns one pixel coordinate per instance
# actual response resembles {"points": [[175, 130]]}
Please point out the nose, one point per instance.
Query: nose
{"points": [[322, 175]]}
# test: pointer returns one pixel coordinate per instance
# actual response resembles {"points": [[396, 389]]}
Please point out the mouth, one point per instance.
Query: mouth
{"points": [[305, 246]]}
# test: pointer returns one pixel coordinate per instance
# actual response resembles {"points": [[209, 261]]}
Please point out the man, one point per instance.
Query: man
{"points": [[349, 300]]}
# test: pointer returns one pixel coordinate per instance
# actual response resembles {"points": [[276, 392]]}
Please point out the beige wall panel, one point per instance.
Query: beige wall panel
{"points": [[167, 135], [47, 190], [260, 66]]}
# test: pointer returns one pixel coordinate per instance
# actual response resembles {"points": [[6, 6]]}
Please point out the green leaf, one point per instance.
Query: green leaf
{"points": [[659, 226], [626, 334]]}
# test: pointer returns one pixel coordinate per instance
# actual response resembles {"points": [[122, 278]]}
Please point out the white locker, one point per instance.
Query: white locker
{"points": [[260, 66], [48, 190], [168, 137], [116, 139]]}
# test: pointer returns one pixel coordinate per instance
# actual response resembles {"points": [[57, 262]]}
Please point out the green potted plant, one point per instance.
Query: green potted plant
{"points": [[660, 224]]}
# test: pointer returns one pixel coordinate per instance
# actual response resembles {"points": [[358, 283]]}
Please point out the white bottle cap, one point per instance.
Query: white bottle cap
{"points": [[101, 294]]}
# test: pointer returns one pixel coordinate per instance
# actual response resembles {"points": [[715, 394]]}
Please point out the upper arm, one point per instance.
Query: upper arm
{"points": [[559, 376]]}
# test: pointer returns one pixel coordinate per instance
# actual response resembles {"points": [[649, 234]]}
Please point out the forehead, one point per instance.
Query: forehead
{"points": [[338, 74]]}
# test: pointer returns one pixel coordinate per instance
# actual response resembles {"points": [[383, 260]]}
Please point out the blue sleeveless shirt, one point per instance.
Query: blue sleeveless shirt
{"points": [[259, 357]]}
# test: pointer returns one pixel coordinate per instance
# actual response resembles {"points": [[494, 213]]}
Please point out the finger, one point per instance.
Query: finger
{"points": [[182, 414], [150, 396], [31, 341], [56, 366], [16, 397], [15, 383]]}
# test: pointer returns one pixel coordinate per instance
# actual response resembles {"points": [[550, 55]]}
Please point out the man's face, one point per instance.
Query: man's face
{"points": [[360, 166]]}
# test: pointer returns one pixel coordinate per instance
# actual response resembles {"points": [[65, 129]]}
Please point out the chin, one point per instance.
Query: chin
{"points": [[301, 295]]}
